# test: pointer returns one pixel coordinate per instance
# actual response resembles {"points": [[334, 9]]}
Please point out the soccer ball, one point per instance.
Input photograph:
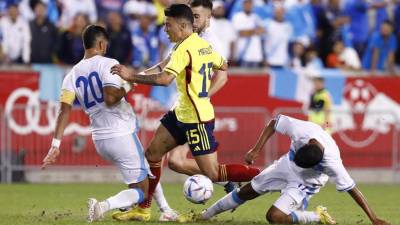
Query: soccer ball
{"points": [[198, 189]]}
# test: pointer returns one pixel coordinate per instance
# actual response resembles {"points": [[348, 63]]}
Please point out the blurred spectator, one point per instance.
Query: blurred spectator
{"points": [[224, 31], [297, 60], [397, 28], [3, 8], [312, 61], [53, 13], [70, 48], [26, 9], [342, 57], [300, 16], [340, 23], [250, 29], [380, 11], [104, 7], [70, 8], [320, 104], [145, 39], [379, 54], [160, 5], [357, 11], [324, 29], [262, 8], [16, 36], [44, 36], [120, 45], [165, 45], [131, 11], [277, 35]]}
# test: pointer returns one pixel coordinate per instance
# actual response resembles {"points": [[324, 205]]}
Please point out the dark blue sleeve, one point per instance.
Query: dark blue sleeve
{"points": [[136, 55], [393, 43]]}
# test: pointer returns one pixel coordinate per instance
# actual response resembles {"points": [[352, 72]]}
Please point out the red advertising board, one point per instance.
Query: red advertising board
{"points": [[366, 138]]}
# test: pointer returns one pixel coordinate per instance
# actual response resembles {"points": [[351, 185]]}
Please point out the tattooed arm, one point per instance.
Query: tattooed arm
{"points": [[162, 78]]}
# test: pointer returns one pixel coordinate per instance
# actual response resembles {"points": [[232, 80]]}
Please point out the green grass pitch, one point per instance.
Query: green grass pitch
{"points": [[66, 204]]}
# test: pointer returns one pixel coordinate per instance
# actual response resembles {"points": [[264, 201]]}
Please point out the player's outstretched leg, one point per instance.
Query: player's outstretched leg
{"points": [[167, 214], [180, 163], [209, 166], [286, 210], [275, 215], [161, 143], [125, 198], [228, 202]]}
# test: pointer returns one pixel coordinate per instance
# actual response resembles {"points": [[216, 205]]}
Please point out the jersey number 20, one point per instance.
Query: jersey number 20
{"points": [[88, 83], [205, 71]]}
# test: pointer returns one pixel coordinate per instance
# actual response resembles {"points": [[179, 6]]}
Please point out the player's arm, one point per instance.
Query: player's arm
{"points": [[356, 194], [391, 63], [67, 98], [163, 78], [267, 132], [112, 95], [219, 80], [374, 63], [159, 67]]}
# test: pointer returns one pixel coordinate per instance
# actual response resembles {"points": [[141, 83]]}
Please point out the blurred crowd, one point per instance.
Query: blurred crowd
{"points": [[351, 35]]}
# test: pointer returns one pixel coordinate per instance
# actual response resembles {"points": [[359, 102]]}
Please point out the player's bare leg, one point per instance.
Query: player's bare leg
{"points": [[161, 144], [210, 167], [230, 201], [179, 162]]}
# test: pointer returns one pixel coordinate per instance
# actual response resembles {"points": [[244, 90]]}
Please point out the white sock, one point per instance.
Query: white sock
{"points": [[123, 199], [160, 199], [230, 201], [305, 217], [222, 183]]}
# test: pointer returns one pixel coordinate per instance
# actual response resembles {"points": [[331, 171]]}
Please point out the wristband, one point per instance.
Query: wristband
{"points": [[55, 143], [126, 86]]}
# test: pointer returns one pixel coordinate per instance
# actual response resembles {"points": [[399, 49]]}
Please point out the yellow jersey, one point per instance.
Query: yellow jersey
{"points": [[192, 62], [320, 102]]}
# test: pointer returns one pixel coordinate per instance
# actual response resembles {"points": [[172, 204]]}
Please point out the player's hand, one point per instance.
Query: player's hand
{"points": [[251, 156], [378, 221], [50, 157], [121, 71]]}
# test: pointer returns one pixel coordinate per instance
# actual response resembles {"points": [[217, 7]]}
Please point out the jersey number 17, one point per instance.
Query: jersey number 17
{"points": [[205, 71]]}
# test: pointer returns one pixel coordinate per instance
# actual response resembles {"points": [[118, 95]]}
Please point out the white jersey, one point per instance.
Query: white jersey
{"points": [[300, 132], [87, 80]]}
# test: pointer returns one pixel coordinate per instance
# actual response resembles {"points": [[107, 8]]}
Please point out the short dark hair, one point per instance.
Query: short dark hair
{"points": [[308, 156], [204, 3], [91, 33], [179, 11], [388, 22], [319, 78]]}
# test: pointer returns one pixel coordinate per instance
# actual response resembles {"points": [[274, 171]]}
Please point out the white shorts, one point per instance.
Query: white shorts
{"points": [[126, 152], [278, 177]]}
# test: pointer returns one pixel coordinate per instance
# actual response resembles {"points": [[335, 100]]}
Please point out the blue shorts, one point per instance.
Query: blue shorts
{"points": [[199, 136]]}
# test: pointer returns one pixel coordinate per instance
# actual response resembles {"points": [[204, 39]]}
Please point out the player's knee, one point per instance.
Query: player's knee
{"points": [[274, 216], [175, 164]]}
